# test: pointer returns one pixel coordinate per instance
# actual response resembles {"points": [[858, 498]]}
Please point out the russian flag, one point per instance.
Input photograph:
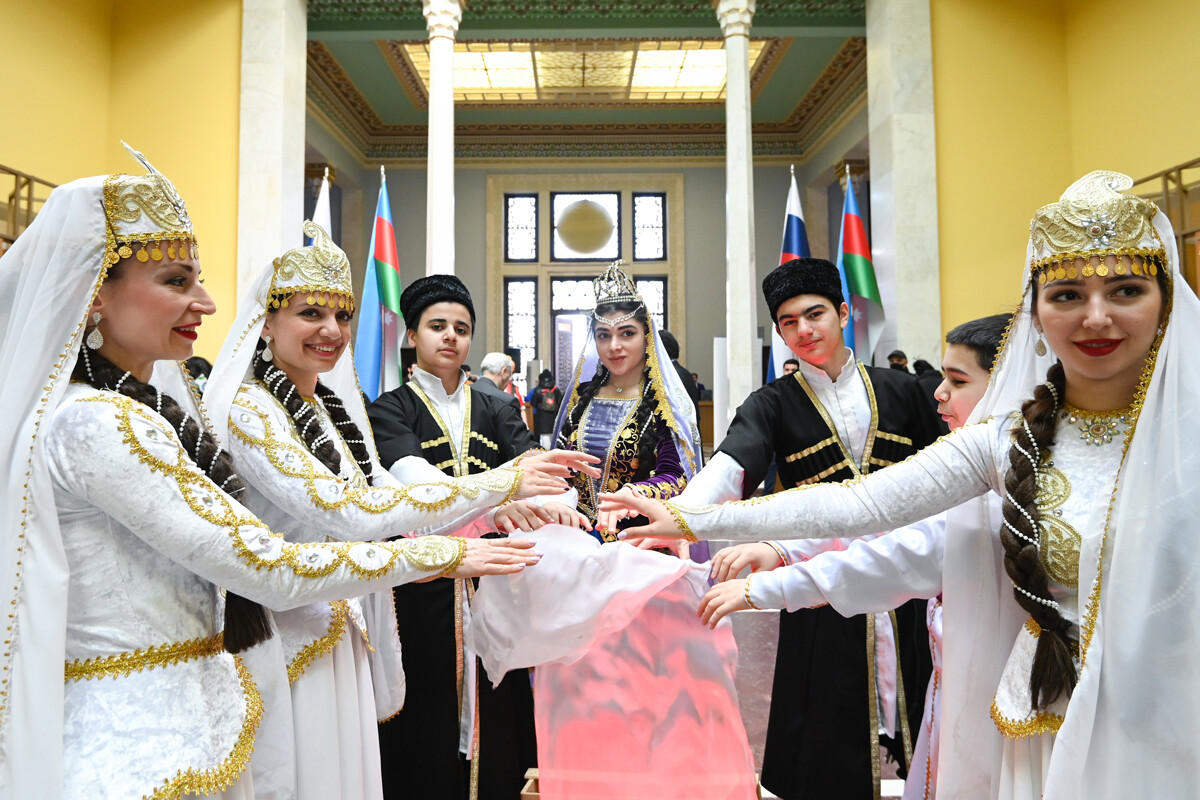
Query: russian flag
{"points": [[795, 245]]}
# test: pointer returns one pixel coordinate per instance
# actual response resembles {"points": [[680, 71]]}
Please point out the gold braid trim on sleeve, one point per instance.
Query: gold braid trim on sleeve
{"points": [[257, 545], [663, 490], [680, 521], [316, 649], [458, 558], [327, 491], [1039, 723]]}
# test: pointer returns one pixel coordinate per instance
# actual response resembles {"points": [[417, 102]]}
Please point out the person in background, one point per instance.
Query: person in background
{"points": [[929, 379], [545, 399], [470, 377], [495, 374], [898, 360], [700, 387], [790, 366]]}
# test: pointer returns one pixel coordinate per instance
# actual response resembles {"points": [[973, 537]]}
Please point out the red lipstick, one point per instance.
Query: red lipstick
{"points": [[1097, 347], [187, 333]]}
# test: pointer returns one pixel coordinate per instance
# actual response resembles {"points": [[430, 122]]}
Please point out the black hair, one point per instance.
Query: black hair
{"points": [[921, 366], [670, 344], [246, 622], [795, 361], [198, 367], [308, 423], [982, 335], [644, 416], [802, 276]]}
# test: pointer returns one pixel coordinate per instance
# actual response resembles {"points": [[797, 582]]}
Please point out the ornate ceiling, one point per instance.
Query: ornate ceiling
{"points": [[553, 78]]}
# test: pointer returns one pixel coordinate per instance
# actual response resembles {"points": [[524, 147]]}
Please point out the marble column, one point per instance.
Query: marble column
{"points": [[271, 134], [441, 18], [904, 222], [741, 284]]}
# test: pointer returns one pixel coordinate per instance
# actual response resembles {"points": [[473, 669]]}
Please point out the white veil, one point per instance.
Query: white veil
{"points": [[1129, 728]]}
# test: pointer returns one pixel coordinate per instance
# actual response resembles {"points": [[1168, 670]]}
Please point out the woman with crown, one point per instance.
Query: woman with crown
{"points": [[124, 522], [632, 697], [624, 408], [1072, 621], [284, 395]]}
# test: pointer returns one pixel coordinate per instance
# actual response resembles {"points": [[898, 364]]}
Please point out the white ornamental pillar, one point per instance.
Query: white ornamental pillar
{"points": [[741, 286], [441, 18]]}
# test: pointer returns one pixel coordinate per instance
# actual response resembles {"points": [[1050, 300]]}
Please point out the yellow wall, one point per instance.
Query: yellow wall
{"points": [[1132, 72], [178, 103], [56, 65], [164, 75], [1031, 94], [1003, 143]]}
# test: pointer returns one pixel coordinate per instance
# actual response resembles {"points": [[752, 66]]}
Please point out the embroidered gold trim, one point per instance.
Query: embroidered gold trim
{"points": [[825, 473], [1059, 541], [292, 459], [662, 490], [680, 521], [485, 441], [458, 559], [460, 462], [316, 649], [222, 776], [1039, 723], [892, 437], [161, 655], [1032, 626], [257, 545], [873, 430], [435, 443], [872, 706], [808, 451]]}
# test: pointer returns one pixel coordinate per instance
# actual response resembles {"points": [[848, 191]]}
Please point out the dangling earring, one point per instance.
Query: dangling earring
{"points": [[95, 339], [267, 355], [1040, 347]]}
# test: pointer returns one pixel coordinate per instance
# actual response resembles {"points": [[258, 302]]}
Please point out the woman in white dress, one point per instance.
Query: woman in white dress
{"points": [[304, 448], [1070, 636], [123, 523]]}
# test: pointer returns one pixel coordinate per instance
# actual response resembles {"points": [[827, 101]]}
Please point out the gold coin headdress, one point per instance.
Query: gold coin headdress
{"points": [[614, 286], [320, 270], [146, 217], [1092, 221]]}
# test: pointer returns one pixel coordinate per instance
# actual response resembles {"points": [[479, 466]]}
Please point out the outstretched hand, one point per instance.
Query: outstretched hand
{"points": [[495, 557], [662, 524], [721, 601], [549, 472], [730, 562], [521, 515]]}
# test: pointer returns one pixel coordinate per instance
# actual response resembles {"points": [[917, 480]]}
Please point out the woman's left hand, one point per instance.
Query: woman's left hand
{"points": [[565, 515], [722, 600]]}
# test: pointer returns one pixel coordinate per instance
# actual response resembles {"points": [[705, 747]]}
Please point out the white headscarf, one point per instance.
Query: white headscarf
{"points": [[1130, 725], [48, 280]]}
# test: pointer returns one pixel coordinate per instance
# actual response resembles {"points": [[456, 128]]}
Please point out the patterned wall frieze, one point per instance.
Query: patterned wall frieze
{"points": [[334, 11]]}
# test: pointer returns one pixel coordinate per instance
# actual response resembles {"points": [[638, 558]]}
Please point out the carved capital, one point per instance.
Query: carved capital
{"points": [[735, 16], [442, 17]]}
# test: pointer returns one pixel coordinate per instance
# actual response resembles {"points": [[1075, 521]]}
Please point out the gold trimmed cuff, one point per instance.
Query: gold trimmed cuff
{"points": [[680, 521]]}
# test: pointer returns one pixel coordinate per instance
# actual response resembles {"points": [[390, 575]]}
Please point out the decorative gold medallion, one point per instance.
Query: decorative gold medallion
{"points": [[1097, 428], [1058, 541]]}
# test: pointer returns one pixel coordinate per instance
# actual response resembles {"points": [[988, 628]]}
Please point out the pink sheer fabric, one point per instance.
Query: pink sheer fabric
{"points": [[634, 697]]}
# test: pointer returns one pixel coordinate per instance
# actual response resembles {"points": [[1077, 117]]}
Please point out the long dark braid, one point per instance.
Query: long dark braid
{"points": [[246, 622], [307, 421], [1053, 673]]}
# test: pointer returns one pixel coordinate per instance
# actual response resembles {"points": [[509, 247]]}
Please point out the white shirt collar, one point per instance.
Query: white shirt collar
{"points": [[814, 374], [432, 385]]}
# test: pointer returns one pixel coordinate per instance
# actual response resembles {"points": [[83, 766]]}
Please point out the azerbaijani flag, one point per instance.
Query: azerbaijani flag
{"points": [[377, 347], [858, 279], [795, 245]]}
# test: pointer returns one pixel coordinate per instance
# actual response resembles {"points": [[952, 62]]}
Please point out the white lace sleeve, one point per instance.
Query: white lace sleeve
{"points": [[957, 467], [867, 577], [124, 459], [270, 455]]}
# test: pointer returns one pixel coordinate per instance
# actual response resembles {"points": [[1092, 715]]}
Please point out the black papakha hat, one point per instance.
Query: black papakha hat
{"points": [[424, 292], [802, 276]]}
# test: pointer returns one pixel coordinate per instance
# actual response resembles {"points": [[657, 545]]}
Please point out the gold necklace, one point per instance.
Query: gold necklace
{"points": [[1097, 427]]}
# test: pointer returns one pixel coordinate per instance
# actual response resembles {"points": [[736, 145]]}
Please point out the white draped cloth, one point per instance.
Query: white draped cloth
{"points": [[634, 696]]}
